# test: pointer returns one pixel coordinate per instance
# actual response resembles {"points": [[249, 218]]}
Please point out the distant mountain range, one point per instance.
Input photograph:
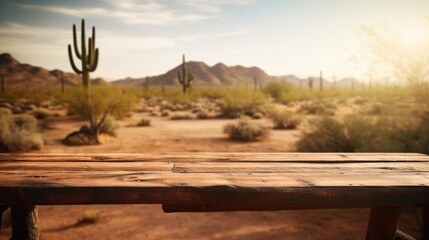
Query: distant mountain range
{"points": [[16, 74], [216, 75], [303, 82]]}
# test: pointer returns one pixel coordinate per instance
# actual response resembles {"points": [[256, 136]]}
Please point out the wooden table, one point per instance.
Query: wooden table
{"points": [[202, 182]]}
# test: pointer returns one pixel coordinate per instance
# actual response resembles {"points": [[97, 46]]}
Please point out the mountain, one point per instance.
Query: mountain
{"points": [[342, 83], [219, 74], [16, 73]]}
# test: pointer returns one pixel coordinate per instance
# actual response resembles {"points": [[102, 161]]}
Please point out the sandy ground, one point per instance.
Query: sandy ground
{"points": [[149, 222]]}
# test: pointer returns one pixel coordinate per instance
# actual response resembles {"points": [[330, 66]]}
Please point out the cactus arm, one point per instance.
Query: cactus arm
{"points": [[76, 49], [179, 76], [94, 63], [72, 61], [83, 47]]}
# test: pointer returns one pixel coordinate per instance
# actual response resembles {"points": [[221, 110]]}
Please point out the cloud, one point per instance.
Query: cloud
{"points": [[147, 12]]}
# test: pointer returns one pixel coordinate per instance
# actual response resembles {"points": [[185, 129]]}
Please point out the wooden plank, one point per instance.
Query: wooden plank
{"points": [[24, 222], [340, 179], [183, 157], [86, 166], [288, 167], [383, 223]]}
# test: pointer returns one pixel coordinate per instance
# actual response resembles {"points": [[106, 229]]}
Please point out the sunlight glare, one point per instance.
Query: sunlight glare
{"points": [[415, 36]]}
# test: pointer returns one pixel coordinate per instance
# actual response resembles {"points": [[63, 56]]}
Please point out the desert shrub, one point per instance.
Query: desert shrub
{"points": [[18, 133], [284, 119], [144, 122], [257, 115], [89, 217], [40, 114], [109, 127], [181, 116], [353, 134], [165, 113], [406, 136], [202, 114], [278, 90], [318, 108], [374, 109], [242, 101], [120, 103], [246, 130]]}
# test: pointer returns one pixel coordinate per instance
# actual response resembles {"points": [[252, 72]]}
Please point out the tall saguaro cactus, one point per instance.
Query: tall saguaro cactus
{"points": [[321, 81], [310, 83], [185, 77], [88, 54]]}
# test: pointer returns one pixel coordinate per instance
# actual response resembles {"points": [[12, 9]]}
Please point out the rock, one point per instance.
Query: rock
{"points": [[79, 138], [16, 110]]}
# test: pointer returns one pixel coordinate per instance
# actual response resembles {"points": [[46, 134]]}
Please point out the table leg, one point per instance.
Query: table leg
{"points": [[425, 223], [382, 223], [24, 222], [2, 209]]}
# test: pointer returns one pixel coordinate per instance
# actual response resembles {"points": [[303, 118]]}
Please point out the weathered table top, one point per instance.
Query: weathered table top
{"points": [[217, 181]]}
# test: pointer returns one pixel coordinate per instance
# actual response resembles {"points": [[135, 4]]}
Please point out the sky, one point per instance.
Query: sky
{"points": [[138, 38]]}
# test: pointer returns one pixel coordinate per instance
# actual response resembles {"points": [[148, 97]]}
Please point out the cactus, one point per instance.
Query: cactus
{"points": [[185, 77], [146, 85], [310, 83], [88, 55], [163, 89], [300, 83], [321, 81], [2, 84]]}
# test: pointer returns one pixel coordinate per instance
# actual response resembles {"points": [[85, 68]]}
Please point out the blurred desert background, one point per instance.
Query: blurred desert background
{"points": [[221, 76]]}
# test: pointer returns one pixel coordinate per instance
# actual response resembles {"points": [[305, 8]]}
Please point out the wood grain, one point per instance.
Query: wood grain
{"points": [[217, 181]]}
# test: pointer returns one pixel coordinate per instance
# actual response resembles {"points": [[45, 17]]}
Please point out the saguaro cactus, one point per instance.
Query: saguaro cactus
{"points": [[310, 83], [321, 81], [185, 77], [255, 84], [88, 55]]}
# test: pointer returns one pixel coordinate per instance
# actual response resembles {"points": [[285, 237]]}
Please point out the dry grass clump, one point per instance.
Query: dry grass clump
{"points": [[89, 217], [245, 130], [18, 133], [284, 120], [181, 116], [144, 122]]}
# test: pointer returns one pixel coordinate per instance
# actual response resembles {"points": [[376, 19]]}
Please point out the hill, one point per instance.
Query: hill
{"points": [[19, 74], [216, 75], [342, 83]]}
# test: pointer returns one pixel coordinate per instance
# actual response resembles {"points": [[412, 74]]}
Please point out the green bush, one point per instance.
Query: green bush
{"points": [[242, 101], [353, 134], [245, 130], [278, 90], [19, 133], [120, 102], [318, 108], [284, 119]]}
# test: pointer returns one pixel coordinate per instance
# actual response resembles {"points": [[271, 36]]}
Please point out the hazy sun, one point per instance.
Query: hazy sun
{"points": [[415, 36]]}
